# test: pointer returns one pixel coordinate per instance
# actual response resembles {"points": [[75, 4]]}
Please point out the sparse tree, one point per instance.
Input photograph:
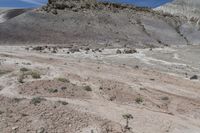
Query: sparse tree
{"points": [[127, 117]]}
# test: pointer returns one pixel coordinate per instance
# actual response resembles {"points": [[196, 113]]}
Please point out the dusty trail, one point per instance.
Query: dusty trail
{"points": [[170, 103]]}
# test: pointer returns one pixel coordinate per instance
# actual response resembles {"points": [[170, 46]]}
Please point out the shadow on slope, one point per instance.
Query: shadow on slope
{"points": [[11, 13]]}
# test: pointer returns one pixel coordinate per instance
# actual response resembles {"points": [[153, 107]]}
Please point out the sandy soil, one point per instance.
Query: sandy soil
{"points": [[58, 90]]}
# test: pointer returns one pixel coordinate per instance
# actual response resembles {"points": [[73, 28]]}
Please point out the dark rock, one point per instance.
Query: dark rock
{"points": [[73, 50], [54, 51], [165, 98], [63, 102], [75, 9], [118, 51], [112, 98], [63, 88], [97, 49], [87, 49], [152, 79], [38, 48], [130, 51], [136, 67], [195, 77]]}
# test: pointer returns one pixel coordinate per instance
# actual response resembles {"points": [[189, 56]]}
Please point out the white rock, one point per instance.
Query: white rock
{"points": [[15, 128]]}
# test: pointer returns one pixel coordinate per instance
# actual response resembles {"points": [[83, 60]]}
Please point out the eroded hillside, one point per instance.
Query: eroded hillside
{"points": [[102, 25]]}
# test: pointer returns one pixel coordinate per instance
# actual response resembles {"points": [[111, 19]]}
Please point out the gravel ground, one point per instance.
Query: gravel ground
{"points": [[91, 90]]}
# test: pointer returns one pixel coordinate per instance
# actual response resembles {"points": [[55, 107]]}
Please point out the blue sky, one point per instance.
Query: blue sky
{"points": [[37, 3], [21, 3]]}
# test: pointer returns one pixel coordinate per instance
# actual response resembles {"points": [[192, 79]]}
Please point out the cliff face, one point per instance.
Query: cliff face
{"points": [[188, 8]]}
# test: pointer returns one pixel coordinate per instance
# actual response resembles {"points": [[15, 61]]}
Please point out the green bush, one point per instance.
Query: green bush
{"points": [[36, 100], [53, 90], [88, 88], [63, 102], [35, 75], [64, 80], [139, 100], [165, 98], [24, 69], [21, 78]]}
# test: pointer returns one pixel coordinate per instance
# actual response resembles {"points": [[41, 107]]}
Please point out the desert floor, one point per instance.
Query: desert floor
{"points": [[60, 90]]}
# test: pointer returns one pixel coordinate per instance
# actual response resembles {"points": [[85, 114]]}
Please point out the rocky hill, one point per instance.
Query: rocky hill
{"points": [[85, 23]]}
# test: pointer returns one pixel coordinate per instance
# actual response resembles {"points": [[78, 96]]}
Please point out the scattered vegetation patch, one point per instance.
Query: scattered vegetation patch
{"points": [[118, 51], [17, 100], [152, 79], [24, 115], [73, 50], [139, 100], [21, 78], [2, 72], [87, 88], [63, 102], [63, 88], [53, 90], [24, 69], [36, 100], [38, 48], [1, 112], [165, 98], [35, 75], [49, 88], [27, 72], [112, 98], [1, 87], [64, 80]]}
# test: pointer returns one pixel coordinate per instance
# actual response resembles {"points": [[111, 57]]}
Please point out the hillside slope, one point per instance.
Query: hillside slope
{"points": [[96, 26]]}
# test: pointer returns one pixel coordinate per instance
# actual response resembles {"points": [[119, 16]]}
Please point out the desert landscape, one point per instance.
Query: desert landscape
{"points": [[116, 72]]}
